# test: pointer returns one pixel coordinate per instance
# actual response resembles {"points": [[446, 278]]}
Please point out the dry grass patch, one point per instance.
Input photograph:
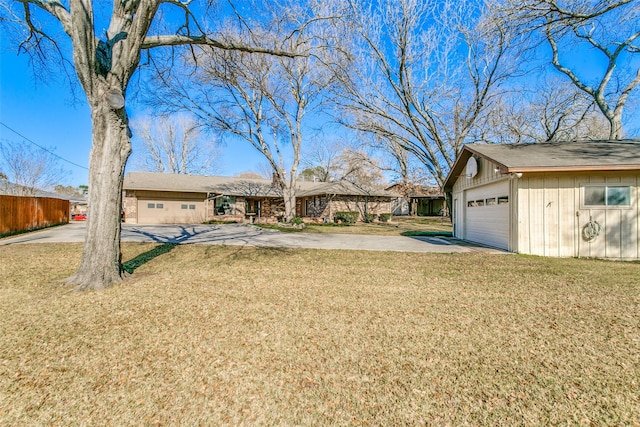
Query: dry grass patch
{"points": [[399, 225], [216, 335]]}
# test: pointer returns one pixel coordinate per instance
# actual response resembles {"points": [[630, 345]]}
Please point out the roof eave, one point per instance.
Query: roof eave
{"points": [[171, 190], [466, 152], [583, 168]]}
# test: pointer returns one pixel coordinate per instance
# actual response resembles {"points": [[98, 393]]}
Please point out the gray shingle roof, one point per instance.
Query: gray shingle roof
{"points": [[553, 156], [561, 155], [152, 181], [11, 189], [342, 188]]}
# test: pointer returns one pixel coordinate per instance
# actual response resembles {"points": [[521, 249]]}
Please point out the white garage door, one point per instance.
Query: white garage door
{"points": [[487, 215], [154, 211]]}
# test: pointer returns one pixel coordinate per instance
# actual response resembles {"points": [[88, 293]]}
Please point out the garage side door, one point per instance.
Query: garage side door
{"points": [[155, 211], [487, 215]]}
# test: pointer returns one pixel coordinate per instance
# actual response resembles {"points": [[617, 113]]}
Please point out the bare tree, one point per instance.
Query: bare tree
{"points": [[605, 30], [367, 162], [261, 100], [397, 163], [551, 110], [315, 174], [321, 159], [172, 145], [360, 168], [356, 161], [104, 62], [27, 169], [423, 75]]}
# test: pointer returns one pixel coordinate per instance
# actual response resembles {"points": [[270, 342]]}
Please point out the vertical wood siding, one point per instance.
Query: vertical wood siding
{"points": [[547, 217], [21, 213], [551, 217]]}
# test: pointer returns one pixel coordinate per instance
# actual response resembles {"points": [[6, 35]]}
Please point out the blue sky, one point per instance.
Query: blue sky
{"points": [[47, 115], [45, 112]]}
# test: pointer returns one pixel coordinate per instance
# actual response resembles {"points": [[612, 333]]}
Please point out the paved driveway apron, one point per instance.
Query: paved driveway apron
{"points": [[248, 235]]}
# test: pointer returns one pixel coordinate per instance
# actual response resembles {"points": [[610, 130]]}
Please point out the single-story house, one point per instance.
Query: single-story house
{"points": [[572, 199], [158, 198], [419, 200]]}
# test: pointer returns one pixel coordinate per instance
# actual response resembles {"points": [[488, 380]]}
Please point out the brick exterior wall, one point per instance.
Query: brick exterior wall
{"points": [[270, 211], [130, 206], [311, 209], [323, 208]]}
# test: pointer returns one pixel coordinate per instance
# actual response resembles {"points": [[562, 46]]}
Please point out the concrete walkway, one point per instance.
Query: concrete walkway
{"points": [[245, 234]]}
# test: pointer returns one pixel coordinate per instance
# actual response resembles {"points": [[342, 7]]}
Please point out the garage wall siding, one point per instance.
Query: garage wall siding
{"points": [[542, 200], [551, 217]]}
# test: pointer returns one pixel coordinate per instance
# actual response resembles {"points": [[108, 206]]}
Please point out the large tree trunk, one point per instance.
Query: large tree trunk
{"points": [[616, 127], [289, 196], [101, 257]]}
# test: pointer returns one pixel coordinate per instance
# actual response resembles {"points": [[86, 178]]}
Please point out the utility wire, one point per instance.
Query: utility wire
{"points": [[42, 148]]}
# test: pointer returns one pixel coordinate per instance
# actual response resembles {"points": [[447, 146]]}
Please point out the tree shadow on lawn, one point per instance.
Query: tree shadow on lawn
{"points": [[131, 265], [240, 252], [248, 252]]}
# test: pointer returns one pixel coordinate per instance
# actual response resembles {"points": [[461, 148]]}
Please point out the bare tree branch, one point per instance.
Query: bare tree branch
{"points": [[424, 77], [569, 26]]}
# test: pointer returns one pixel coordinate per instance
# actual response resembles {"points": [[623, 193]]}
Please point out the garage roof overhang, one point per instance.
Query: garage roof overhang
{"points": [[585, 156]]}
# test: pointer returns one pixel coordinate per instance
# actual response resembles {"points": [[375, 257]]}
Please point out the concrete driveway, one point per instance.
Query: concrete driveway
{"points": [[245, 234]]}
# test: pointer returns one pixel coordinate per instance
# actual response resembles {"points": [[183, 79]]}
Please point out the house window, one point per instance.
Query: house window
{"points": [[618, 196], [151, 205], [252, 206], [183, 206], [159, 205], [491, 201], [225, 205], [192, 207], [605, 195]]}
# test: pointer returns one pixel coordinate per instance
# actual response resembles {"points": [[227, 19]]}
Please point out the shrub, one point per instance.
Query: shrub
{"points": [[347, 218], [369, 217], [297, 220], [384, 217]]}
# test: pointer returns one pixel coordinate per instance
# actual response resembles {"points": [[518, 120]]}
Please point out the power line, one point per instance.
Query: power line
{"points": [[42, 148]]}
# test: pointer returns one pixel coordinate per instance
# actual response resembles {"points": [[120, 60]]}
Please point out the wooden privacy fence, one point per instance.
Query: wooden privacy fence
{"points": [[21, 213]]}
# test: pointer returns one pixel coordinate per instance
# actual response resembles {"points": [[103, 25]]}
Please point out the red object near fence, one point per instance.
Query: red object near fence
{"points": [[23, 213]]}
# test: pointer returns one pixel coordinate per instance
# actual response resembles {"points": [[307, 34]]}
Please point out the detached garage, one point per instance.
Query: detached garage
{"points": [[573, 199]]}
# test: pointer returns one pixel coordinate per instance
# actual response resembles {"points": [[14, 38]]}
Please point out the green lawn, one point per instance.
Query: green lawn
{"points": [[209, 335]]}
